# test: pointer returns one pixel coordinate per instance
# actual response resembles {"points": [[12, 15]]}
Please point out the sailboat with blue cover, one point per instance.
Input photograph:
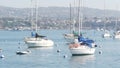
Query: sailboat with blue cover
{"points": [[82, 45]]}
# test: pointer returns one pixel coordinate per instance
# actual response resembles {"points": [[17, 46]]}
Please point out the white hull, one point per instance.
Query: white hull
{"points": [[82, 50], [117, 35], [38, 42], [106, 35]]}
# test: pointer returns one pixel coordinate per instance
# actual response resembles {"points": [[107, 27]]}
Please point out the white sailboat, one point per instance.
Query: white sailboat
{"points": [[82, 46], [79, 49], [1, 55], [70, 35], [37, 40], [117, 33], [73, 34], [106, 33]]}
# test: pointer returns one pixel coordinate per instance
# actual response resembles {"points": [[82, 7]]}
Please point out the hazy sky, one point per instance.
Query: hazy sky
{"points": [[110, 4]]}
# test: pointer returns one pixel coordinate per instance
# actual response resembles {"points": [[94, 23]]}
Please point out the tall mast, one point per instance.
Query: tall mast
{"points": [[80, 16], [116, 26], [36, 15], [104, 15], [74, 20], [31, 13], [70, 20]]}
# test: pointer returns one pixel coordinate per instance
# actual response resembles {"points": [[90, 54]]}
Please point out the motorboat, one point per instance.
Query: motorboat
{"points": [[22, 52]]}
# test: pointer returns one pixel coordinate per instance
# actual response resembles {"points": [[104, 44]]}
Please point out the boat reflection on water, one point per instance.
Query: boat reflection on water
{"points": [[83, 59], [43, 52], [40, 48]]}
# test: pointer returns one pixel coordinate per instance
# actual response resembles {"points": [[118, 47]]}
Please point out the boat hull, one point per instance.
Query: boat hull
{"points": [[117, 35], [82, 50], [106, 35], [36, 42]]}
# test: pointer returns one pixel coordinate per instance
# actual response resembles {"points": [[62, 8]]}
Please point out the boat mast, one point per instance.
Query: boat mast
{"points": [[31, 13], [74, 20], [116, 26], [70, 20], [80, 16], [36, 15], [104, 15]]}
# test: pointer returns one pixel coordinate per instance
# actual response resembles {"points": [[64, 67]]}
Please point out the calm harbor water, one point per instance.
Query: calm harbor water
{"points": [[49, 58]]}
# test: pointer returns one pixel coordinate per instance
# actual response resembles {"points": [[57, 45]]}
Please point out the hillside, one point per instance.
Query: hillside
{"points": [[54, 17]]}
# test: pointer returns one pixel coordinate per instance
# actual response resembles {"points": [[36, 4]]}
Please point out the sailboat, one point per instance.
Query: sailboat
{"points": [[1, 55], [73, 34], [106, 33], [81, 45], [117, 33], [37, 40], [70, 35]]}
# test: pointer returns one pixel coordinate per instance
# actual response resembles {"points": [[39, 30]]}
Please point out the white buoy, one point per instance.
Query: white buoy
{"points": [[2, 56]]}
